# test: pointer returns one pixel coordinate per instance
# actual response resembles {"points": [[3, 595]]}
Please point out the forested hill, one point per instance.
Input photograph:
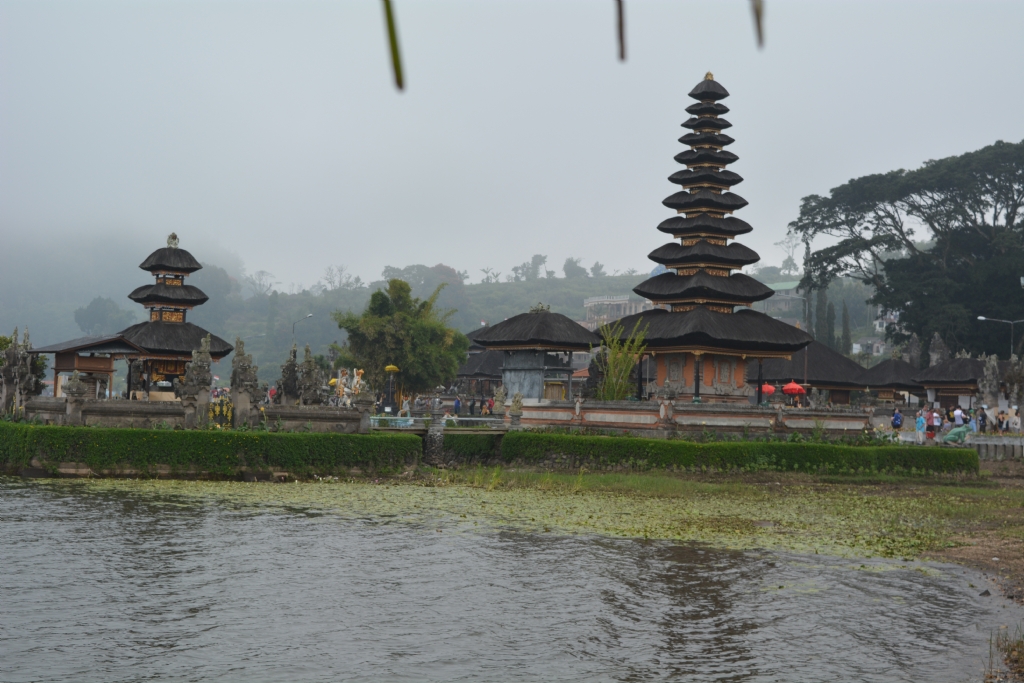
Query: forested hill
{"points": [[266, 321]]}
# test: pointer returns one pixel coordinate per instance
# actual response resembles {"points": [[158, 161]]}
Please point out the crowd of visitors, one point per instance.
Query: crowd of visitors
{"points": [[930, 423]]}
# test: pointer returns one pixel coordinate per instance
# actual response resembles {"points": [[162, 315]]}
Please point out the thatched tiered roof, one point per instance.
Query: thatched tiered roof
{"points": [[702, 289], [825, 369], [892, 374], [538, 329]]}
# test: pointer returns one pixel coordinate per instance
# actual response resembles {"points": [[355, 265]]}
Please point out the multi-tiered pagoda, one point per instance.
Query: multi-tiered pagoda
{"points": [[167, 338], [704, 304]]}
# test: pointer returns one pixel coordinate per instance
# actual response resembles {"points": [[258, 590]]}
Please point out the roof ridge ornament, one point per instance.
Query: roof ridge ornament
{"points": [[540, 308], [172, 240], [709, 76]]}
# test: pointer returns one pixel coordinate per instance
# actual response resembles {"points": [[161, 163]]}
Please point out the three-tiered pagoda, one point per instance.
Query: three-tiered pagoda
{"points": [[704, 330], [167, 338]]}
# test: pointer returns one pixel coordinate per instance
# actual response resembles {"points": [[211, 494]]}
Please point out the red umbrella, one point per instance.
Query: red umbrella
{"points": [[767, 389], [793, 388]]}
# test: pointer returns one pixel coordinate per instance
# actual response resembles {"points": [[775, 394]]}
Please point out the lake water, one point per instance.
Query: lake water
{"points": [[114, 585]]}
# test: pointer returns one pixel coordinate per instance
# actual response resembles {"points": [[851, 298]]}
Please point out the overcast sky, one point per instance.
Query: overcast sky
{"points": [[272, 129]]}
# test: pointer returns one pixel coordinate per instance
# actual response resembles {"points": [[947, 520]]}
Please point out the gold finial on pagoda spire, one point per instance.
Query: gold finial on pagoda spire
{"points": [[709, 76]]}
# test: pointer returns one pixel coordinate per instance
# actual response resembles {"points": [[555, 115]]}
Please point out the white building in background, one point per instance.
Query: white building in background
{"points": [[605, 309]]}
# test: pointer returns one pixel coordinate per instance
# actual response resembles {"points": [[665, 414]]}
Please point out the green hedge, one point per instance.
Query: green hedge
{"points": [[608, 452], [473, 447], [215, 452]]}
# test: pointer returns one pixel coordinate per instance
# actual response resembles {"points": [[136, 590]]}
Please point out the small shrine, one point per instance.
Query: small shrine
{"points": [[537, 348], [167, 339], [704, 332]]}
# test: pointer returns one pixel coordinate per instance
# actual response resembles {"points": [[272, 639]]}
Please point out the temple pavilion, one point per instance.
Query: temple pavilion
{"points": [[157, 349], [167, 338], [704, 332], [537, 350]]}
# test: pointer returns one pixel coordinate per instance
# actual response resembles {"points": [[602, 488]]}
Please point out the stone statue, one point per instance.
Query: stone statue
{"points": [[912, 351], [75, 390], [17, 380], [988, 384], [499, 399], [75, 386], [172, 240], [1014, 378], [245, 392], [816, 399], [515, 414], [244, 377], [938, 352], [311, 381], [288, 385], [198, 376]]}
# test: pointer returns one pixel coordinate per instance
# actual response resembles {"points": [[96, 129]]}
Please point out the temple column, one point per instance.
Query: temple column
{"points": [[697, 361]]}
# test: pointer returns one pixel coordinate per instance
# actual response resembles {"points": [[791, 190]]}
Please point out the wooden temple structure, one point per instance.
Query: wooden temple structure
{"points": [[167, 338], [159, 348], [704, 332]]}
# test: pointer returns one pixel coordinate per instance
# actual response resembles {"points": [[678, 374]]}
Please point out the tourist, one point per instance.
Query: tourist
{"points": [[897, 419], [919, 425], [1002, 422], [958, 417], [973, 420], [472, 406], [405, 412], [458, 405], [982, 419], [1015, 421]]}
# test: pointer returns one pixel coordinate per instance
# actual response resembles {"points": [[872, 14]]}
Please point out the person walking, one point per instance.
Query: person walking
{"points": [[897, 420], [919, 425], [458, 405], [958, 417], [982, 419], [472, 406]]}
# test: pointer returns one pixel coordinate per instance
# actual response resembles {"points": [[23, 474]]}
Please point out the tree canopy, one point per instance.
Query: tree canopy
{"points": [[941, 244], [103, 316], [398, 329]]}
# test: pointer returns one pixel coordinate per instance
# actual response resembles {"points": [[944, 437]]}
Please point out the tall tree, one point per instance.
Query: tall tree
{"points": [[941, 244], [397, 328], [103, 316], [821, 316], [573, 269], [846, 341], [830, 326]]}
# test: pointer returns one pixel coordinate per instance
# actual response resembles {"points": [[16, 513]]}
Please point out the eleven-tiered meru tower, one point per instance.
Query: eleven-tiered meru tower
{"points": [[704, 328]]}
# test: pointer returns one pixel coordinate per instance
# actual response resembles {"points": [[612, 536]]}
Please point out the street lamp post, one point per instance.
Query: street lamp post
{"points": [[297, 322], [1011, 323]]}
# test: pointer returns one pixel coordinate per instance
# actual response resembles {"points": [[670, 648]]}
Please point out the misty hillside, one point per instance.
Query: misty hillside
{"points": [[45, 292]]}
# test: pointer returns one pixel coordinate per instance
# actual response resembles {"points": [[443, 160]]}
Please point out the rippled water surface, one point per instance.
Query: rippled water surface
{"points": [[114, 585]]}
